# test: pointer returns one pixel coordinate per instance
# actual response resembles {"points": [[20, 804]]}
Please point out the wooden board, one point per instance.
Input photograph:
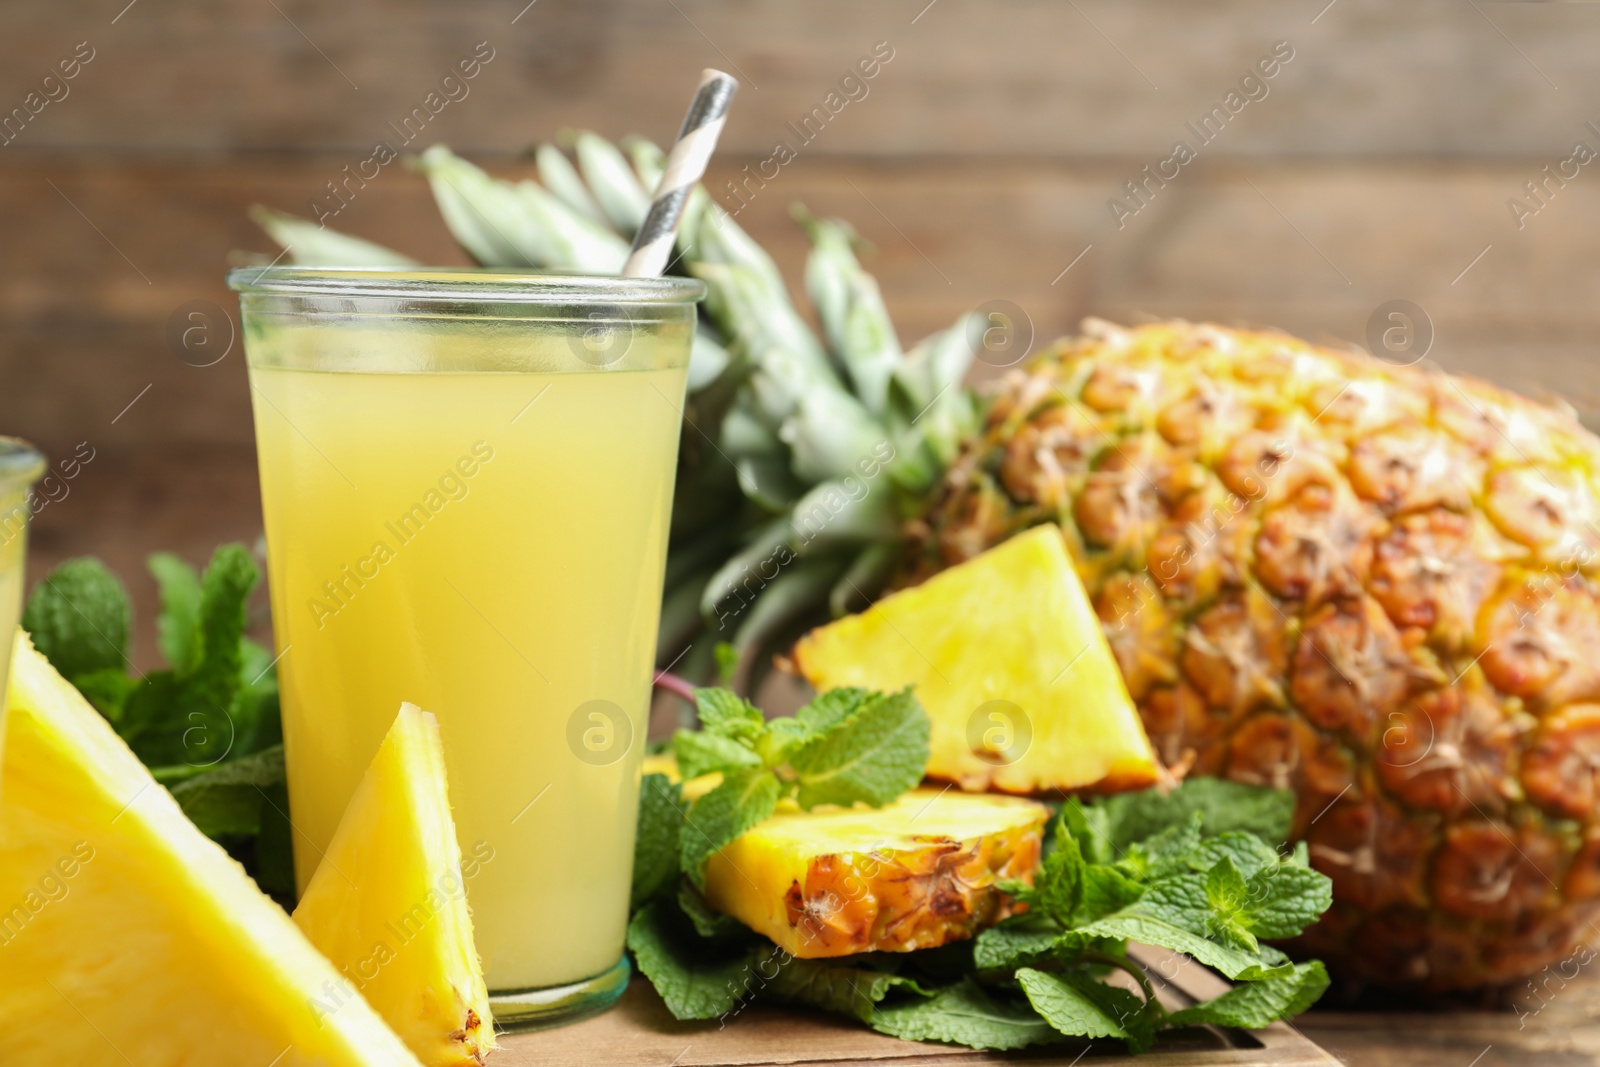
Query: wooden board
{"points": [[640, 1033]]}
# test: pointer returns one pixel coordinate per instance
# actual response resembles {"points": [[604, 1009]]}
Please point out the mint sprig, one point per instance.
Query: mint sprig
{"points": [[79, 618], [207, 726], [1200, 871], [847, 746], [1211, 897], [655, 844]]}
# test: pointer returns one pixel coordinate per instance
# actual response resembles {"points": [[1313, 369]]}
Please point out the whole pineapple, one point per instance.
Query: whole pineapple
{"points": [[1373, 585]]}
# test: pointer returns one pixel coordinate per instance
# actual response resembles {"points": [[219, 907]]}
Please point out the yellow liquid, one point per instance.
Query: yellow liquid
{"points": [[490, 547], [13, 551]]}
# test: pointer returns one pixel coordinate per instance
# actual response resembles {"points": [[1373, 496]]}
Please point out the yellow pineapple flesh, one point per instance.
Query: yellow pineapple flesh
{"points": [[916, 873], [1009, 661], [1375, 585], [666, 764], [126, 936], [388, 905]]}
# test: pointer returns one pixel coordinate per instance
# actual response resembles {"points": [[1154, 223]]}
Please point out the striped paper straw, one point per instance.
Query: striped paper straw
{"points": [[686, 163]]}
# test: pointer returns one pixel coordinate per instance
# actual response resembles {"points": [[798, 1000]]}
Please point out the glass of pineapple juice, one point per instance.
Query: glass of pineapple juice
{"points": [[20, 467], [467, 483]]}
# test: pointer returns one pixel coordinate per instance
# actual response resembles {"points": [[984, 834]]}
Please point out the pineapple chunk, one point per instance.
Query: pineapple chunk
{"points": [[913, 874], [665, 763], [388, 904], [1009, 660], [128, 937]]}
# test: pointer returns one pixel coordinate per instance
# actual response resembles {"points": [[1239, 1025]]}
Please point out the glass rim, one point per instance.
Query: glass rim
{"points": [[492, 285], [20, 463]]}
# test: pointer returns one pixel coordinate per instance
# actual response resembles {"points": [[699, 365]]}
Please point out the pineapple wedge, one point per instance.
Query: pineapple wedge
{"points": [[128, 937], [913, 874], [665, 763], [1009, 660], [388, 904]]}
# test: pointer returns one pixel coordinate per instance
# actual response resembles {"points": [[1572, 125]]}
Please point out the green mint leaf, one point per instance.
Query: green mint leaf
{"points": [[79, 617], [696, 979], [107, 690], [1014, 943], [655, 844], [707, 921], [832, 985], [1058, 885], [1180, 900], [1129, 925], [1267, 813], [1106, 889], [1273, 958], [784, 737], [829, 709], [230, 578], [743, 799], [1229, 897], [190, 720], [1285, 899], [231, 799], [726, 714], [874, 755], [1247, 851], [1225, 888], [255, 707], [1253, 1005], [699, 752], [1166, 852], [148, 718], [178, 623], [1018, 890], [1091, 826], [966, 1014], [1079, 1006]]}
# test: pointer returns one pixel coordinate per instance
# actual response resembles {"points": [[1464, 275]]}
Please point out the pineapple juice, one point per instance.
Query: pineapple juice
{"points": [[466, 481], [488, 546], [20, 465]]}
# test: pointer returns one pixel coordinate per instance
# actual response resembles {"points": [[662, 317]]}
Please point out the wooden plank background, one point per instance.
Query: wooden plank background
{"points": [[979, 165]]}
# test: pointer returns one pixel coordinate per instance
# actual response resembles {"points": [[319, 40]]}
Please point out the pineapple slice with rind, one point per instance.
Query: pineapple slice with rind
{"points": [[916, 873], [388, 905], [126, 936], [1009, 660]]}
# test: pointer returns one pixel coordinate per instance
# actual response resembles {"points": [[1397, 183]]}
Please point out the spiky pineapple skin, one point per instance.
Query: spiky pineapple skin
{"points": [[1373, 584]]}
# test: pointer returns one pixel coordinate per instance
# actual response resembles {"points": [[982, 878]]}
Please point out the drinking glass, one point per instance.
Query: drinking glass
{"points": [[20, 467], [467, 484]]}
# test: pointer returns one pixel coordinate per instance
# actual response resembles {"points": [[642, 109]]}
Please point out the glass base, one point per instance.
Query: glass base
{"points": [[534, 1009]]}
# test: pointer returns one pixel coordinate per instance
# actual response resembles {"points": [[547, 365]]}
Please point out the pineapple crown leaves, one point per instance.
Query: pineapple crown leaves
{"points": [[804, 420], [847, 746]]}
